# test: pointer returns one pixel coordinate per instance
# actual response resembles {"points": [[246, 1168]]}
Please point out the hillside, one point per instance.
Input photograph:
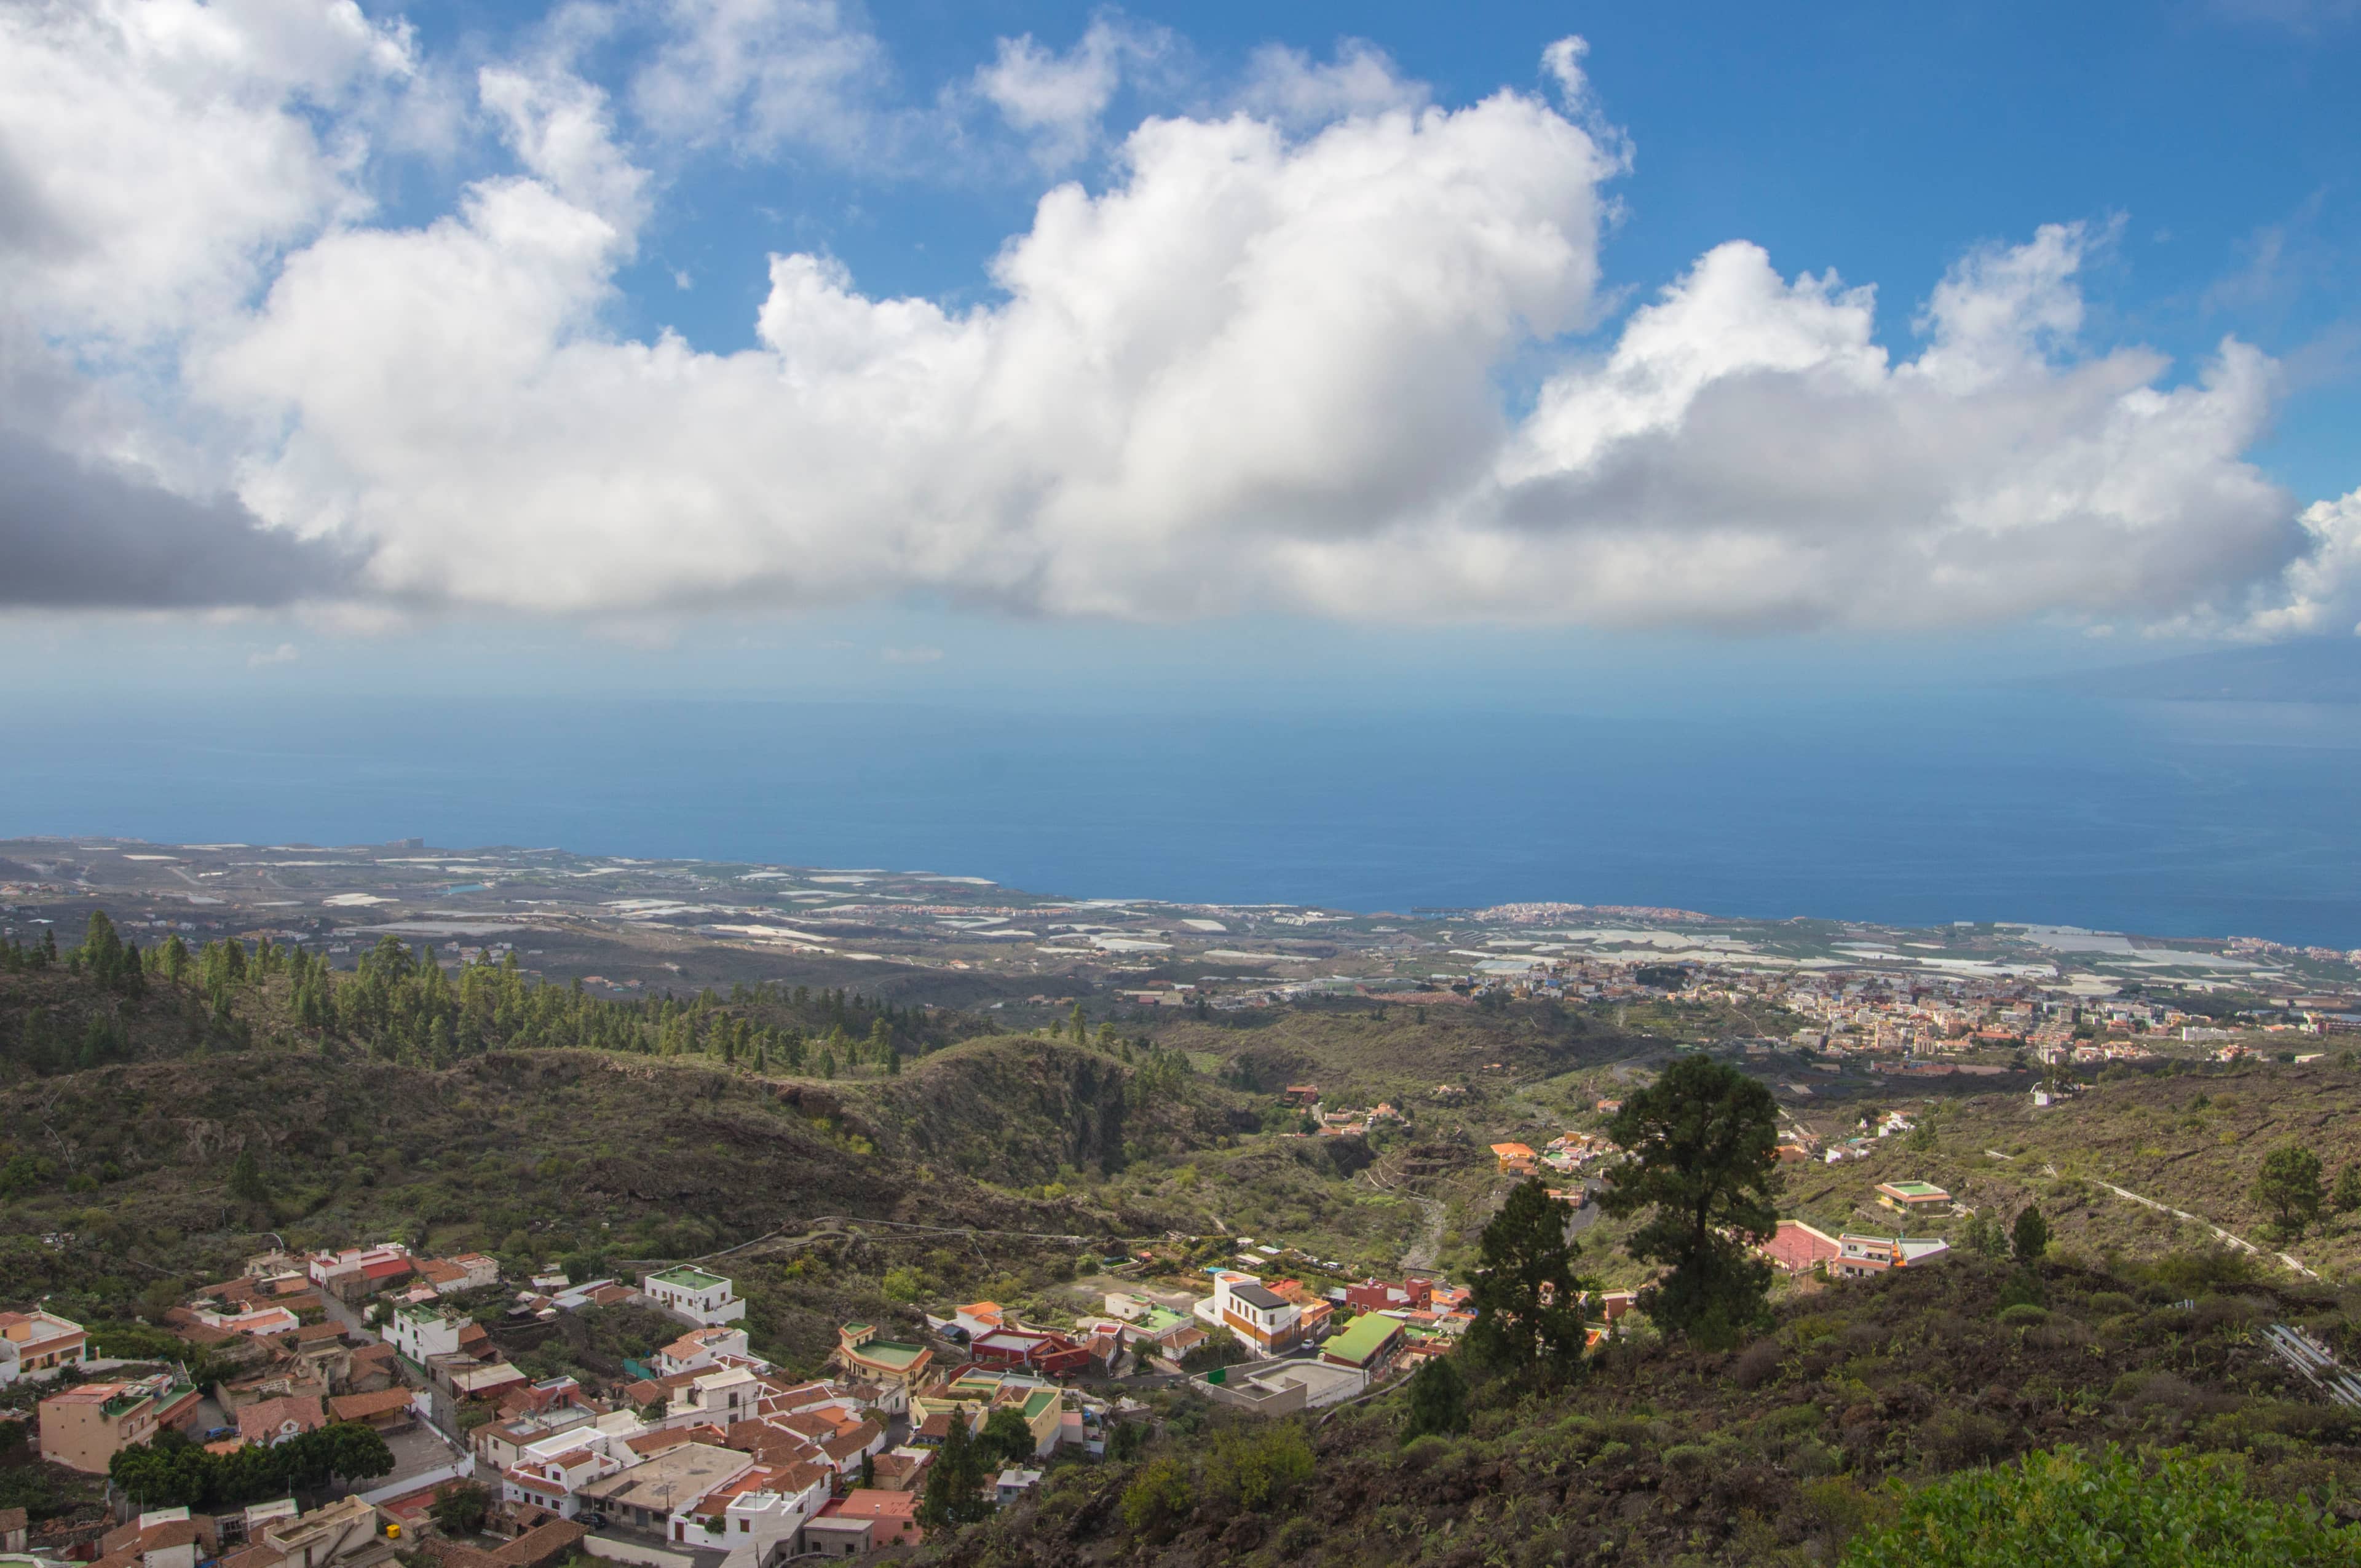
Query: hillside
{"points": [[1023, 1110], [1775, 1454], [119, 1190], [2192, 1140]]}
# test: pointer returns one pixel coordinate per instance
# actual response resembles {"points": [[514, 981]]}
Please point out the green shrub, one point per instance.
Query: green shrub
{"points": [[1159, 1495], [1836, 1507], [2023, 1314], [1420, 1452], [2167, 1510], [1259, 1469]]}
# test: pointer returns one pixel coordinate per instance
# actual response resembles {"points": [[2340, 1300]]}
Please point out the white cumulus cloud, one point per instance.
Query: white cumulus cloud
{"points": [[1260, 367], [1058, 99]]}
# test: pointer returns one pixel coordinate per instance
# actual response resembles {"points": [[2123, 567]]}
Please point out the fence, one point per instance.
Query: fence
{"points": [[2312, 1362], [457, 1470]]}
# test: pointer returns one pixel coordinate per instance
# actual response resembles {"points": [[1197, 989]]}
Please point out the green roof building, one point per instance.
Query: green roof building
{"points": [[1368, 1342]]}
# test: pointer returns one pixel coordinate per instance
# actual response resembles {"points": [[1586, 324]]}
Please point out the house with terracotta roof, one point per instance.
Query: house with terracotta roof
{"points": [[269, 1421], [753, 1515], [440, 1276], [901, 1469], [1042, 1351], [160, 1537], [388, 1411], [979, 1317], [468, 1271], [702, 1348], [37, 1344], [891, 1519], [1516, 1159], [359, 1272], [1798, 1248], [371, 1367]]}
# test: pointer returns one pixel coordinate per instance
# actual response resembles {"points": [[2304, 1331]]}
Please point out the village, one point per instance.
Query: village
{"points": [[703, 1455]]}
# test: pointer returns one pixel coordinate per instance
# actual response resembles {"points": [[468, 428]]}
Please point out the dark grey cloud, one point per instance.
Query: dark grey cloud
{"points": [[74, 536]]}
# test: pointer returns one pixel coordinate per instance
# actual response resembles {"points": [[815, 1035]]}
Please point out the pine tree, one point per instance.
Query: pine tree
{"points": [[1701, 1151], [954, 1494], [1525, 1294], [2028, 1238], [1438, 1398], [2289, 1185]]}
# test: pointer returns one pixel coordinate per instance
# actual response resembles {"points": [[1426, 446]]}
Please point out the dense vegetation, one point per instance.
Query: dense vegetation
{"points": [[401, 1004], [172, 1471]]}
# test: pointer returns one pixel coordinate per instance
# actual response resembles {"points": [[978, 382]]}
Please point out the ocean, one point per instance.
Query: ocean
{"points": [[2170, 818]]}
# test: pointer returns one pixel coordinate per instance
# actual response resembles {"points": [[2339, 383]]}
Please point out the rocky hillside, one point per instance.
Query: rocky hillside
{"points": [[1775, 1454]]}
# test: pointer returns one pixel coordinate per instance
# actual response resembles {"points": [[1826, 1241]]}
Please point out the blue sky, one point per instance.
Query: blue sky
{"points": [[476, 353]]}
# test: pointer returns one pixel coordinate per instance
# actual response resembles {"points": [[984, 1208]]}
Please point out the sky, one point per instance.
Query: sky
{"points": [[1313, 352]]}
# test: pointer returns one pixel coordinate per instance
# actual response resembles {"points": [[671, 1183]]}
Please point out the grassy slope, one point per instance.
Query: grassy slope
{"points": [[2145, 1132]]}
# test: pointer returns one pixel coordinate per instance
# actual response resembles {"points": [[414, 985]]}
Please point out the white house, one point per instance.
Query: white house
{"points": [[552, 1473], [701, 1348], [690, 1292], [1260, 1318], [766, 1522], [756, 1513], [419, 1331], [717, 1398]]}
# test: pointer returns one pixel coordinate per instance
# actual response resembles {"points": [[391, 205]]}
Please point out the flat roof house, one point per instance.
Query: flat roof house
{"points": [[1911, 1196], [690, 1292], [36, 1343], [650, 1494], [863, 1353], [1861, 1257], [1260, 1316]]}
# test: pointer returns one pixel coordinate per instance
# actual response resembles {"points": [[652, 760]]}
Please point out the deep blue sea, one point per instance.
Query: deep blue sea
{"points": [[2164, 818]]}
